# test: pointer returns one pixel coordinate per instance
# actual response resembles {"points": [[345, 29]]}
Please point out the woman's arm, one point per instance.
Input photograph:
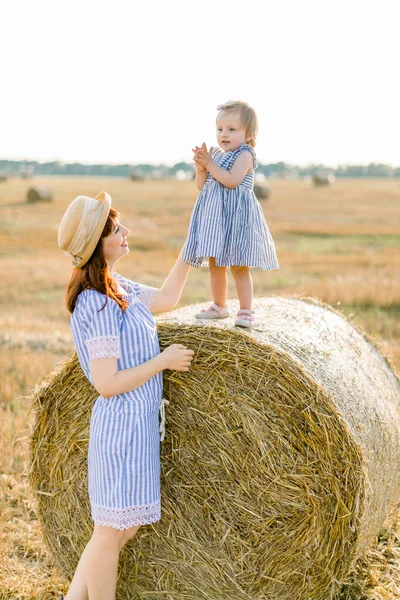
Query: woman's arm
{"points": [[171, 290], [108, 381]]}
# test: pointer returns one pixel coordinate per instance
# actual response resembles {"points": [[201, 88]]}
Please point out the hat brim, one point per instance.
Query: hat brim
{"points": [[94, 240]]}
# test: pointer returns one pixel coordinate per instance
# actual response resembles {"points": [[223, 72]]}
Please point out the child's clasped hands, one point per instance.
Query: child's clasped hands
{"points": [[202, 157]]}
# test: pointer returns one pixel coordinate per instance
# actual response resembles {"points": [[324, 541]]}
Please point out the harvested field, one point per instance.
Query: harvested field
{"points": [[339, 244]]}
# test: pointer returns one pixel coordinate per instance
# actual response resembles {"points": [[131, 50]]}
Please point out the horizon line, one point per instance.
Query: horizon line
{"points": [[172, 164]]}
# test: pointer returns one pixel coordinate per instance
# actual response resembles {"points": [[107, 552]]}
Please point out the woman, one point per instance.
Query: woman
{"points": [[117, 345]]}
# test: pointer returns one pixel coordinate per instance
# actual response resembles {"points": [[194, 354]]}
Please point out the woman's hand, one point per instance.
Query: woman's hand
{"points": [[177, 357]]}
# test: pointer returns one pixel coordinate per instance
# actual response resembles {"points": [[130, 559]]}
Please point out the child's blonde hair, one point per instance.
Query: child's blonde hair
{"points": [[247, 116]]}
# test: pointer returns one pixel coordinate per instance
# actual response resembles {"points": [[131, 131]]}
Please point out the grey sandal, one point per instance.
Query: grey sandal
{"points": [[213, 312], [245, 318]]}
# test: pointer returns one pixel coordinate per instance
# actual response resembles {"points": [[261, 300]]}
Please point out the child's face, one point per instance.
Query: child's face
{"points": [[230, 131]]}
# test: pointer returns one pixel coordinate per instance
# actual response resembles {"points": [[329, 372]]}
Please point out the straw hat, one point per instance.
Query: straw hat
{"points": [[82, 225]]}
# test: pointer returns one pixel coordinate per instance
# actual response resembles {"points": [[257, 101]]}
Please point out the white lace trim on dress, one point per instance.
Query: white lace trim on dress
{"points": [[146, 294], [103, 347], [124, 518]]}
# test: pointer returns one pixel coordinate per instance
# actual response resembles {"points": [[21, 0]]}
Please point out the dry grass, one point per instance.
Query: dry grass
{"points": [[339, 244]]}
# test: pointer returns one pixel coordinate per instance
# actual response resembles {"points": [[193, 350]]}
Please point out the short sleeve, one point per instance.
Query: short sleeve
{"points": [[247, 148], [104, 325], [144, 293]]}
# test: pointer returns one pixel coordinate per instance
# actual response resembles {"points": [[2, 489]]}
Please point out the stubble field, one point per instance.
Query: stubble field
{"points": [[340, 244]]}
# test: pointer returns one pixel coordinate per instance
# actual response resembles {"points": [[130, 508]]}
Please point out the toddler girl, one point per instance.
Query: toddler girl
{"points": [[227, 226]]}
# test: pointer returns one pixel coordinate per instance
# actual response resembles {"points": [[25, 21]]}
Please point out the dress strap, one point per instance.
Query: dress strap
{"points": [[247, 148]]}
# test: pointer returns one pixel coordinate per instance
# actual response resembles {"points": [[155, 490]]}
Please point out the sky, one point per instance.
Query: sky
{"points": [[133, 82]]}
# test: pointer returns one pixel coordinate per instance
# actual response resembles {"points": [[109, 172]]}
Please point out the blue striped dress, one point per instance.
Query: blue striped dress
{"points": [[228, 223], [124, 442]]}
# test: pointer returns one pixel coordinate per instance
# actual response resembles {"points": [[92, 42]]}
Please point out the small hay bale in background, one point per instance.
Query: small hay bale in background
{"points": [[3, 177], [39, 194], [322, 179], [281, 459], [136, 176], [262, 190]]}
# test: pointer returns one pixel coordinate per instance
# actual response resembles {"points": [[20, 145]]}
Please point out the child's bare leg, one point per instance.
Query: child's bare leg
{"points": [[244, 286], [218, 283]]}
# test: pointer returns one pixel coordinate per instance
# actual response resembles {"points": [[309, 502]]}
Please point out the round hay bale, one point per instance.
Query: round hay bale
{"points": [[39, 194], [321, 179], [281, 459], [3, 177], [262, 191], [136, 176]]}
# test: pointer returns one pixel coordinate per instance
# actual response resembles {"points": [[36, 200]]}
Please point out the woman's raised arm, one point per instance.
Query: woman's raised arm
{"points": [[171, 290]]}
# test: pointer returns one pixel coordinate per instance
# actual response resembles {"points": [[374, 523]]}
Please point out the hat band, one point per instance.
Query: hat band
{"points": [[86, 228]]}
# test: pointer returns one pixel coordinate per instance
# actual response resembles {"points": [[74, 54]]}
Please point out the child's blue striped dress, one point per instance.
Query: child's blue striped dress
{"points": [[124, 443], [228, 223]]}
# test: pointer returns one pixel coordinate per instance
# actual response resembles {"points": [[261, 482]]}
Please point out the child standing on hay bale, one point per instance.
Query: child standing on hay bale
{"points": [[227, 227], [117, 345]]}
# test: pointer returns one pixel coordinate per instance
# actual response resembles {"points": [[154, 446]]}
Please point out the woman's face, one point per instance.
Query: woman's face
{"points": [[115, 245]]}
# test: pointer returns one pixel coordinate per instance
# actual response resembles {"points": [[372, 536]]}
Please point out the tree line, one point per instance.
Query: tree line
{"points": [[280, 169]]}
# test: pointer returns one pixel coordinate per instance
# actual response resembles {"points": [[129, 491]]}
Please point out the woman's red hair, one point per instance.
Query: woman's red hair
{"points": [[95, 274]]}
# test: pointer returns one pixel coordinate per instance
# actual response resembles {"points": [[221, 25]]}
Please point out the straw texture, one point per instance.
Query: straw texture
{"points": [[281, 459]]}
